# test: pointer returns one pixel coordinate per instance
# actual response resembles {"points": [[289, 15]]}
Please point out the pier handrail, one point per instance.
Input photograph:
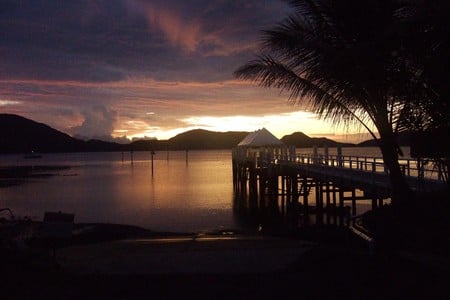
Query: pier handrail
{"points": [[413, 168]]}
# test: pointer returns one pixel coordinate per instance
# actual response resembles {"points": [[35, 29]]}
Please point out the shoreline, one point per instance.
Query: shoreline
{"points": [[19, 175], [154, 264]]}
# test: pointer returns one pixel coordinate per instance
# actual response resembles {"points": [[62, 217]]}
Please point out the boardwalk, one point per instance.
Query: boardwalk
{"points": [[282, 177], [366, 173]]}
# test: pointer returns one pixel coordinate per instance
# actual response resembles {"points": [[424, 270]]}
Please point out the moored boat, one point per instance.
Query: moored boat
{"points": [[32, 155]]}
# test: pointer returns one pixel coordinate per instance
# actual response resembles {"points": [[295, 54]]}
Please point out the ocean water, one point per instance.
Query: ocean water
{"points": [[101, 187], [190, 192]]}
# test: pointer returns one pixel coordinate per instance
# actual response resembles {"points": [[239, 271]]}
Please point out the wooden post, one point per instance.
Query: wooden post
{"points": [[316, 188], [286, 195], [236, 175], [334, 205], [353, 203], [152, 153], [252, 181], [305, 201], [187, 159], [327, 195], [243, 177], [294, 179], [319, 203], [341, 206], [292, 153], [315, 155], [374, 202], [339, 155]]}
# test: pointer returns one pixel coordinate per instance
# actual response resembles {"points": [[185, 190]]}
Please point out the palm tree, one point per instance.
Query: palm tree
{"points": [[427, 25], [427, 47], [343, 60]]}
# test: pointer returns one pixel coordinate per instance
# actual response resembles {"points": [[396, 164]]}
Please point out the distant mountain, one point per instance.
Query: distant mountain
{"points": [[197, 139], [403, 138], [147, 145], [21, 135], [204, 139], [301, 140]]}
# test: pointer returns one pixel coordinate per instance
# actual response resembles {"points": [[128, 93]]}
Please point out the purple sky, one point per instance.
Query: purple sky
{"points": [[102, 68]]}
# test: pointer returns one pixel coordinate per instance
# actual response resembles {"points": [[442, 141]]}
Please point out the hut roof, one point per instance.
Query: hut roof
{"points": [[259, 138]]}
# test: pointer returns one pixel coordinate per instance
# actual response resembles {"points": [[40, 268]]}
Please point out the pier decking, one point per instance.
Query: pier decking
{"points": [[279, 176]]}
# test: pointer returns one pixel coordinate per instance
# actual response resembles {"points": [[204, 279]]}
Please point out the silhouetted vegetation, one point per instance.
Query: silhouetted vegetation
{"points": [[366, 63], [382, 65]]}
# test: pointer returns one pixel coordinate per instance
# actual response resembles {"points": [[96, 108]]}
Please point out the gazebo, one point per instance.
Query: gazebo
{"points": [[260, 146]]}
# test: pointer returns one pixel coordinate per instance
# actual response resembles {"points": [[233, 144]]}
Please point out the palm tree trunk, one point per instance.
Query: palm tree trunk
{"points": [[401, 192]]}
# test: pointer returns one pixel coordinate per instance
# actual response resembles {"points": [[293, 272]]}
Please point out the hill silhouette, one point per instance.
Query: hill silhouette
{"points": [[301, 140], [403, 139], [204, 139], [21, 135], [197, 139]]}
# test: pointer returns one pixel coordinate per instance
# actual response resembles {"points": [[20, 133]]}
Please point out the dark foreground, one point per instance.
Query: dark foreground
{"points": [[334, 266]]}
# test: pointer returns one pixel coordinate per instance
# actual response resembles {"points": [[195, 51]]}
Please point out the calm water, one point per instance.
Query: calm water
{"points": [[101, 187]]}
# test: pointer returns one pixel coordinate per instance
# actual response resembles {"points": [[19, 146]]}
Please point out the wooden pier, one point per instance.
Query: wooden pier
{"points": [[322, 186]]}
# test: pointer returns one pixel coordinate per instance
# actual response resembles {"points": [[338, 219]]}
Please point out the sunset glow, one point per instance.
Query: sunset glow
{"points": [[133, 69]]}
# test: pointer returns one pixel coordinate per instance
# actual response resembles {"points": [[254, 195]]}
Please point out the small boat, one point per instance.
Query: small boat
{"points": [[32, 155]]}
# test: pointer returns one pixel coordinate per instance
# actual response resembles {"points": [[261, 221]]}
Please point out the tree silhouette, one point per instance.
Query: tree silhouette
{"points": [[348, 61], [426, 46]]}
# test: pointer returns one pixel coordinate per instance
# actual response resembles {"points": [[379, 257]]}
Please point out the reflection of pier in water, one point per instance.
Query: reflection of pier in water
{"points": [[274, 183]]}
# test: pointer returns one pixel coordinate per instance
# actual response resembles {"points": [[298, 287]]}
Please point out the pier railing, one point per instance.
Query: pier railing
{"points": [[418, 169], [286, 177]]}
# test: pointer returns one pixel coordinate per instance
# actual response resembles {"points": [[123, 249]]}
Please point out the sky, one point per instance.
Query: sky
{"points": [[123, 69]]}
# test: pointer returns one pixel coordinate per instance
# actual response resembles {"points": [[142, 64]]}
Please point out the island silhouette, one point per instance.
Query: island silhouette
{"points": [[22, 135]]}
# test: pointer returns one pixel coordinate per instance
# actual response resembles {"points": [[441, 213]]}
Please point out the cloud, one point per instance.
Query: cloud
{"points": [[99, 123], [137, 67], [4, 102], [211, 28], [104, 41], [178, 31]]}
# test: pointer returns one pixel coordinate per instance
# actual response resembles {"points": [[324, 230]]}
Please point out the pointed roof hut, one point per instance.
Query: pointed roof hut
{"points": [[261, 138], [260, 146]]}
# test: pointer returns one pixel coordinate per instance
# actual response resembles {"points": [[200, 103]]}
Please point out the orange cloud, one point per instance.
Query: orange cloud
{"points": [[177, 31]]}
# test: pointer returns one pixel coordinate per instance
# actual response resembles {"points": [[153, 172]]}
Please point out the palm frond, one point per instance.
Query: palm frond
{"points": [[319, 97]]}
